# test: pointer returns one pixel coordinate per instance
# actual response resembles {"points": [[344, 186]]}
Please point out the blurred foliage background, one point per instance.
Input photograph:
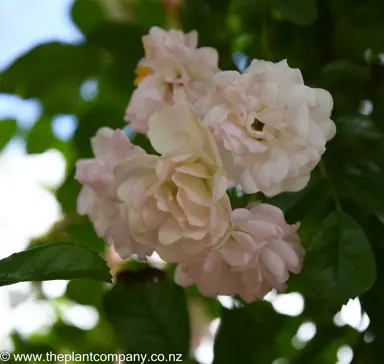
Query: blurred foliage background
{"points": [[339, 46]]}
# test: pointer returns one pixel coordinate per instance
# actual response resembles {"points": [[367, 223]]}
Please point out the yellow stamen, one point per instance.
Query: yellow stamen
{"points": [[141, 73]]}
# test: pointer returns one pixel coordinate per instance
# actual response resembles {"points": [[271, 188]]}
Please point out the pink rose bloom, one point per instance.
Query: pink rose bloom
{"points": [[98, 199], [176, 202], [173, 70], [271, 128], [259, 255]]}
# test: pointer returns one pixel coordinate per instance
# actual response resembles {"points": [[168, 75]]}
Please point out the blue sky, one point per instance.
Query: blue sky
{"points": [[24, 23]]}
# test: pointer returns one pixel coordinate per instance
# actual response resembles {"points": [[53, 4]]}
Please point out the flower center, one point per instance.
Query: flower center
{"points": [[141, 73], [257, 125]]}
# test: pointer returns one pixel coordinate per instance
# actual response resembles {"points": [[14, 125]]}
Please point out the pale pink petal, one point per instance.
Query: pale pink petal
{"points": [[248, 183], [195, 189], [209, 57], [152, 216], [169, 128], [240, 214], [274, 264], [196, 215], [220, 186], [261, 230], [194, 169], [246, 240], [236, 254], [194, 232], [170, 232], [269, 213], [101, 143], [291, 259], [85, 200], [181, 277]]}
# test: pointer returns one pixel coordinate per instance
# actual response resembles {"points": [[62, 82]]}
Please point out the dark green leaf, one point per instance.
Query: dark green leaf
{"points": [[298, 205], [85, 292], [310, 224], [342, 70], [340, 264], [346, 80], [359, 181], [359, 27], [88, 15], [366, 190], [68, 192], [89, 123], [52, 262], [41, 137], [211, 25], [52, 73], [358, 126], [148, 13], [240, 200], [297, 11], [149, 313], [142, 141], [123, 49], [7, 130], [244, 332], [82, 232], [373, 300]]}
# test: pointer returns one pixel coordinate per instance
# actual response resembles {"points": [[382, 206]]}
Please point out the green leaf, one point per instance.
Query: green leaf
{"points": [[149, 313], [244, 334], [85, 292], [340, 71], [300, 12], [360, 181], [88, 15], [373, 301], [8, 128], [123, 49], [52, 262], [148, 13], [366, 190], [298, 205], [89, 123], [350, 40], [83, 232], [53, 73], [41, 137], [143, 141], [340, 264], [358, 126], [211, 24], [68, 192], [347, 81], [310, 224]]}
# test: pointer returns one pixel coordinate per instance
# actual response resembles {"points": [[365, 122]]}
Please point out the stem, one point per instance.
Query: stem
{"points": [[172, 12], [325, 174]]}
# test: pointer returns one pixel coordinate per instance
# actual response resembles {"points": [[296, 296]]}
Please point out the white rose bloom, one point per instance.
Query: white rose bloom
{"points": [[176, 202], [271, 128]]}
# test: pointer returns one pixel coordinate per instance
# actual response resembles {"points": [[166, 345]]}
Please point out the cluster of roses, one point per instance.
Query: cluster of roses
{"points": [[263, 130]]}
